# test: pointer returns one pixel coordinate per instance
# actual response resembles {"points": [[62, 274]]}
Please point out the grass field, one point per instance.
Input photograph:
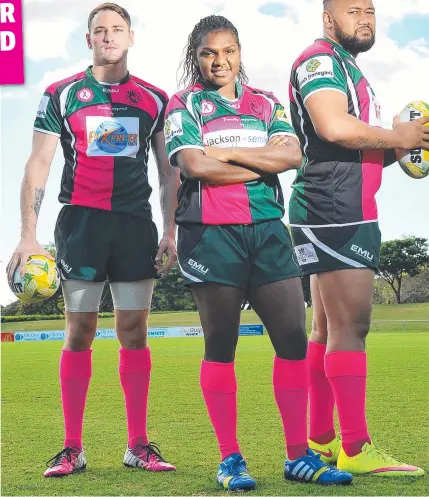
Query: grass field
{"points": [[32, 430]]}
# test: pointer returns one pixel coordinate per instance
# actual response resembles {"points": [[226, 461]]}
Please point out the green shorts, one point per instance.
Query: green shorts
{"points": [[329, 249], [242, 256], [95, 245]]}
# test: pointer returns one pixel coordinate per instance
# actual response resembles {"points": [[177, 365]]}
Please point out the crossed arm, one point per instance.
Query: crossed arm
{"points": [[214, 164]]}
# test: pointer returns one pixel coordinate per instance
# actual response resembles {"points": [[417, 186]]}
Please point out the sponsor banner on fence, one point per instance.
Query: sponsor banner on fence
{"points": [[103, 333]]}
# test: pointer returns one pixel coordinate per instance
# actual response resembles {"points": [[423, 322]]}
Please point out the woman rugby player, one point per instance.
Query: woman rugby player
{"points": [[230, 141]]}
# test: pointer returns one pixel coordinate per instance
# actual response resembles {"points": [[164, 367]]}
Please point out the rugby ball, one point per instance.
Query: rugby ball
{"points": [[416, 162], [41, 280]]}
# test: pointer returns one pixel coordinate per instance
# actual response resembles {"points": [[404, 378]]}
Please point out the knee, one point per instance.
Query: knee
{"points": [[319, 334], [132, 330], [361, 327], [80, 334], [292, 344]]}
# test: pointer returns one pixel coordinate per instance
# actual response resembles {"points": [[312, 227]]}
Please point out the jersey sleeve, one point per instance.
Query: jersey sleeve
{"points": [[321, 72], [160, 123], [49, 119], [279, 124], [181, 128]]}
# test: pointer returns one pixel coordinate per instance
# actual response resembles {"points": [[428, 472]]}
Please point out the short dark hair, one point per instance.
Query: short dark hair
{"points": [[191, 72], [109, 6], [326, 4]]}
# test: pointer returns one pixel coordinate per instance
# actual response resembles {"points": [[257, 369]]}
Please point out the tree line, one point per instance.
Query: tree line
{"points": [[403, 277]]}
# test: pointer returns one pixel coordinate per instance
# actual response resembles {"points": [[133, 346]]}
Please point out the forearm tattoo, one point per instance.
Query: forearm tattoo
{"points": [[38, 198], [364, 144]]}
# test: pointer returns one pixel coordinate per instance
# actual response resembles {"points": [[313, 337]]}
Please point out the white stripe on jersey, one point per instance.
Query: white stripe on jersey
{"points": [[301, 115]]}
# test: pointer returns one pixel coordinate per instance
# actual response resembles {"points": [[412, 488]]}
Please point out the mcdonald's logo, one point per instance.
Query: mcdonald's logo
{"points": [[7, 337]]}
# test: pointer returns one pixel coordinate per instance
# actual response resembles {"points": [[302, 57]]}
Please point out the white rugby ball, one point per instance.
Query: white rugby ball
{"points": [[416, 162]]}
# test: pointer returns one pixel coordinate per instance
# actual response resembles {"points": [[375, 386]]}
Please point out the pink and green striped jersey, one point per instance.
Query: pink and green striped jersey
{"points": [[199, 117], [337, 186]]}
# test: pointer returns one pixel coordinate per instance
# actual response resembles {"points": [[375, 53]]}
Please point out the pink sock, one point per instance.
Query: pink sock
{"points": [[322, 400], [75, 374], [347, 373], [134, 373], [219, 387], [290, 381]]}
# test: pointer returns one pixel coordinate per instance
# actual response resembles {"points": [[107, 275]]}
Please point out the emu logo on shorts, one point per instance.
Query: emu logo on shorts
{"points": [[363, 253], [198, 267], [306, 254]]}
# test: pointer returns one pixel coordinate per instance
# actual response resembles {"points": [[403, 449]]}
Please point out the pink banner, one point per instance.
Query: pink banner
{"points": [[11, 43]]}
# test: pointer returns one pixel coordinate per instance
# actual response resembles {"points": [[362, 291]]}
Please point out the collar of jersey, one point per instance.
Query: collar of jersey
{"points": [[238, 89], [337, 45], [91, 77]]}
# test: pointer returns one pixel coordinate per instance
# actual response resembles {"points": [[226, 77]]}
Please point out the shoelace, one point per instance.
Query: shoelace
{"points": [[54, 461], [374, 451], [238, 467], [151, 449]]}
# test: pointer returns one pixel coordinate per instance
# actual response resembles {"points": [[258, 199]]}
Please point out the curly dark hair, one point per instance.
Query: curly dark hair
{"points": [[189, 64]]}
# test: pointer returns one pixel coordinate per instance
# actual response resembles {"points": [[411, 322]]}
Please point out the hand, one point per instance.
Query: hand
{"points": [[167, 247], [412, 135], [278, 140], [23, 251], [220, 154]]}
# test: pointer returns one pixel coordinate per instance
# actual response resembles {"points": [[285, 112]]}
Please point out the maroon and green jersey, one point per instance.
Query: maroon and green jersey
{"points": [[105, 132], [199, 117], [337, 186]]}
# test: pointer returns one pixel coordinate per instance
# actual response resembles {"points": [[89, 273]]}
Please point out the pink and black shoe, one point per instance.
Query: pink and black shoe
{"points": [[69, 461], [147, 457]]}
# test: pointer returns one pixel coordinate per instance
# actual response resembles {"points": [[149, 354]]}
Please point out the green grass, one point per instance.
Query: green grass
{"points": [[397, 313], [32, 428]]}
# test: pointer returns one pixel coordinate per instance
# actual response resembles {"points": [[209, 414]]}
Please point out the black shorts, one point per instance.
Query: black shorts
{"points": [[95, 245]]}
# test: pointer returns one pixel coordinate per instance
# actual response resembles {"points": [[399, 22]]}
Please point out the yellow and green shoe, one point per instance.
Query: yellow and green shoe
{"points": [[372, 461], [328, 452]]}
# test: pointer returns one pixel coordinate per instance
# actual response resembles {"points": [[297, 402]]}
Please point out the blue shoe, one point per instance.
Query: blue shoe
{"points": [[310, 469], [233, 475]]}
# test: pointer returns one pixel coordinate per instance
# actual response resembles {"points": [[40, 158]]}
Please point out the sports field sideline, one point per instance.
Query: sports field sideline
{"points": [[398, 413]]}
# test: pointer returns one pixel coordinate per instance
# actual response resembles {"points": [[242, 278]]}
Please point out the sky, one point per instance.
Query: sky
{"points": [[272, 35]]}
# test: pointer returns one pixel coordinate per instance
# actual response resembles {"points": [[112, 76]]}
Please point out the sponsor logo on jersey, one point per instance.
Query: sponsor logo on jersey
{"points": [[235, 105], [374, 108], [257, 109], [117, 136], [312, 65], [362, 253], [85, 95], [133, 96], [311, 71], [109, 109], [41, 112], [236, 138], [207, 108], [198, 267], [281, 116], [306, 254], [111, 90], [173, 126]]}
